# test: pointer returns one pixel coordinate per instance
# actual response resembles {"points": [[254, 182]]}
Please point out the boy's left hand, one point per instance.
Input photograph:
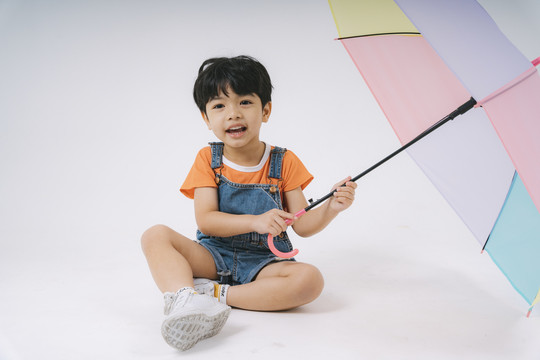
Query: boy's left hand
{"points": [[344, 195]]}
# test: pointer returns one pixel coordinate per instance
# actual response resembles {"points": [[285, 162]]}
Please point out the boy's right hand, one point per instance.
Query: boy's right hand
{"points": [[273, 222]]}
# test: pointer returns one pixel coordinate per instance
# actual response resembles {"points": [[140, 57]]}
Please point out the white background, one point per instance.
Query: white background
{"points": [[98, 130]]}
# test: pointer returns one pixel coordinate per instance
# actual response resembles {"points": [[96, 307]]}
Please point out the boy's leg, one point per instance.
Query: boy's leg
{"points": [[175, 259], [278, 286]]}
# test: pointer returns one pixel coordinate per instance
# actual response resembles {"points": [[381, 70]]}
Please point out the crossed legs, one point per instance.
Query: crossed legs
{"points": [[174, 261]]}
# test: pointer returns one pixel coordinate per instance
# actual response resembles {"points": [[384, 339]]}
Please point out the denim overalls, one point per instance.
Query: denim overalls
{"points": [[239, 258]]}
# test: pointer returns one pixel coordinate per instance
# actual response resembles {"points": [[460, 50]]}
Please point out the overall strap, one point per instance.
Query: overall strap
{"points": [[276, 162], [217, 154]]}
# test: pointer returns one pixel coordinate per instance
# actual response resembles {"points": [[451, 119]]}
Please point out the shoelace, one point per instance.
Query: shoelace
{"points": [[178, 298]]}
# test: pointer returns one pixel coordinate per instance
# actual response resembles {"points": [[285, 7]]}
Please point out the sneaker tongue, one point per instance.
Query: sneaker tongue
{"points": [[169, 299], [187, 288], [181, 299]]}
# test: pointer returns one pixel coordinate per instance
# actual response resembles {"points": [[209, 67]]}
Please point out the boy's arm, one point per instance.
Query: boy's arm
{"points": [[213, 222], [318, 218]]}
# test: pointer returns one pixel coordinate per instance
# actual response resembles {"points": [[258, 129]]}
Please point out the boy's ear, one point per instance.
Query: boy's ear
{"points": [[267, 110], [205, 118]]}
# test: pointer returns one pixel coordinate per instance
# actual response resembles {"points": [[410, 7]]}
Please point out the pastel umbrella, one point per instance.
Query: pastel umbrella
{"points": [[422, 59]]}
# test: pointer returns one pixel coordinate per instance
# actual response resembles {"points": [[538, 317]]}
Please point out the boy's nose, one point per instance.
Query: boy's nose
{"points": [[234, 113]]}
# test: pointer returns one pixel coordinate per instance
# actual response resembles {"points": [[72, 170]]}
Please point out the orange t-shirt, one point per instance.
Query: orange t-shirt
{"points": [[293, 172]]}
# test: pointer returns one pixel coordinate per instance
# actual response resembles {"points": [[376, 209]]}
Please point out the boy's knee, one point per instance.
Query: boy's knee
{"points": [[153, 234], [318, 280], [312, 282]]}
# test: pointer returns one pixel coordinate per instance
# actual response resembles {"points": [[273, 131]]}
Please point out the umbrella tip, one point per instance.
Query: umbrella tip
{"points": [[536, 61], [529, 313]]}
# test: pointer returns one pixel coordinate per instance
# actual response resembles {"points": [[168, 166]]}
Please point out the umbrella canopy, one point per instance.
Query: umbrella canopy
{"points": [[424, 58]]}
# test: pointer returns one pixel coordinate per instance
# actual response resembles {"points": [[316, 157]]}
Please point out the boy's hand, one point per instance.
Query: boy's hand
{"points": [[272, 222], [344, 195]]}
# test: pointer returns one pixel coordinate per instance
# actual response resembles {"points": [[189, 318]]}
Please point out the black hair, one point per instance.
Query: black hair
{"points": [[243, 74]]}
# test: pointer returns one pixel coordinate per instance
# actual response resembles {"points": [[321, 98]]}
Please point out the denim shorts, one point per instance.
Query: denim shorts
{"points": [[239, 261]]}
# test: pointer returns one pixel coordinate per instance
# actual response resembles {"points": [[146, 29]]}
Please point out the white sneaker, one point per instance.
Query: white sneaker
{"points": [[204, 286], [192, 317]]}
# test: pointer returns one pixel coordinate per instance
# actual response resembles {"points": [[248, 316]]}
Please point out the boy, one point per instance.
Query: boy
{"points": [[243, 190]]}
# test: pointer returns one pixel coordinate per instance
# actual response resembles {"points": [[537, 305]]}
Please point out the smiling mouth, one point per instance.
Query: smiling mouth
{"points": [[236, 130]]}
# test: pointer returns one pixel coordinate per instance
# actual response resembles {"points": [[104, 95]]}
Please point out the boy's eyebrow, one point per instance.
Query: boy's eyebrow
{"points": [[217, 97], [222, 96]]}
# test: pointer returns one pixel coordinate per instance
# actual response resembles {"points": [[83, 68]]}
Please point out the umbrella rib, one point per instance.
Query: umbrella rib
{"points": [[378, 34]]}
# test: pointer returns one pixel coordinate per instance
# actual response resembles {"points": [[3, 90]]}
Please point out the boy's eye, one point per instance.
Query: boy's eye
{"points": [[217, 106], [245, 102]]}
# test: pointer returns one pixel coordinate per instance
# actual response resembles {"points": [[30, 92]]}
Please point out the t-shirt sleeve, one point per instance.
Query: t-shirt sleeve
{"points": [[294, 173], [200, 175]]}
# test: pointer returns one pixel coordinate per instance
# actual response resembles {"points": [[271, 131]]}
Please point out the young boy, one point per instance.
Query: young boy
{"points": [[243, 190]]}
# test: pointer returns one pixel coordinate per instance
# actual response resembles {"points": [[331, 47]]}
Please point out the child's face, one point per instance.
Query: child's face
{"points": [[236, 119]]}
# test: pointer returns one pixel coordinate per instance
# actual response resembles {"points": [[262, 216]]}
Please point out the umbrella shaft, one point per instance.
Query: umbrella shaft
{"points": [[459, 111]]}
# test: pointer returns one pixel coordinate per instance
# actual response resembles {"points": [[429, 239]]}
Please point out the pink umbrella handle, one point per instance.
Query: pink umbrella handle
{"points": [[279, 253], [276, 251]]}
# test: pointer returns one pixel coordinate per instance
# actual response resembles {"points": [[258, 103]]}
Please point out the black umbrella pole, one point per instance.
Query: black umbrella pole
{"points": [[459, 111]]}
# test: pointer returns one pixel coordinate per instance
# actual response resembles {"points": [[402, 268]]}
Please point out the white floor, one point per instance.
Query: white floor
{"points": [[393, 291], [98, 131]]}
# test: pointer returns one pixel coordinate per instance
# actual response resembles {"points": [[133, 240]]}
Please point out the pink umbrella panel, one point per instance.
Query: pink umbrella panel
{"points": [[420, 65]]}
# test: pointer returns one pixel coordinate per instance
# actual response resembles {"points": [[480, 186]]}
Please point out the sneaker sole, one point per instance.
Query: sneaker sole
{"points": [[184, 331]]}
